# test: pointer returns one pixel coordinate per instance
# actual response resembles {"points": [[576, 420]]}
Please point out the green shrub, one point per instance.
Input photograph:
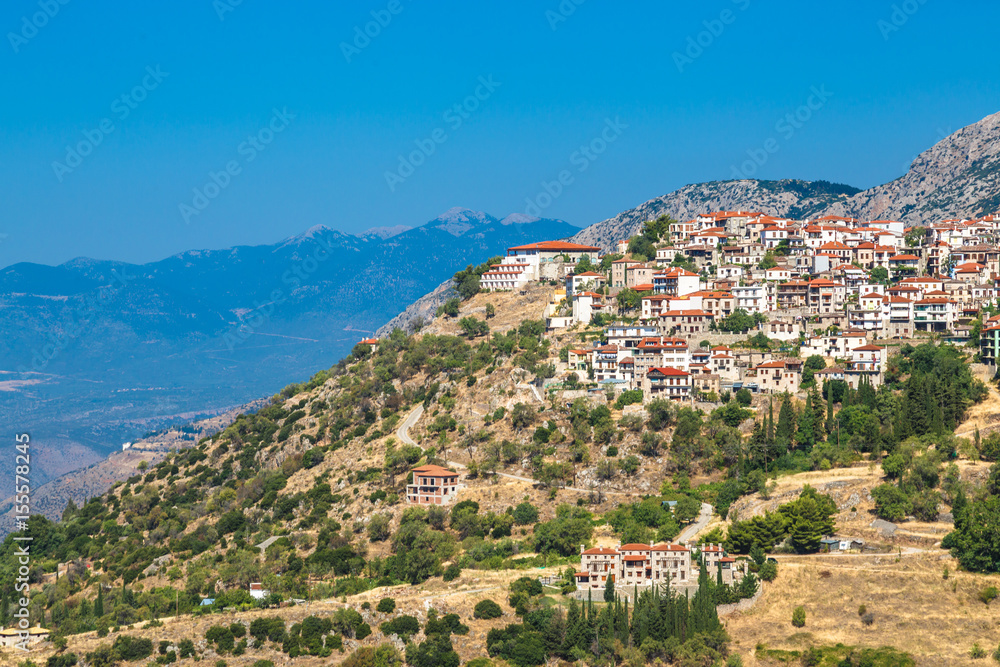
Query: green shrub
{"points": [[799, 617], [525, 514], [404, 626], [452, 572], [386, 605], [486, 609], [133, 648], [988, 595]]}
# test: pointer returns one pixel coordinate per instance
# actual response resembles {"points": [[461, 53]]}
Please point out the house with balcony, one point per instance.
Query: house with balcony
{"points": [[904, 264], [671, 383], [933, 314], [751, 298], [605, 360], [676, 282], [779, 376], [588, 281], [989, 343], [432, 485], [660, 352], [628, 335], [793, 294]]}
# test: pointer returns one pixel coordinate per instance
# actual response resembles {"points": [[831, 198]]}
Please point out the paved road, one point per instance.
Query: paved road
{"points": [[691, 532], [403, 432]]}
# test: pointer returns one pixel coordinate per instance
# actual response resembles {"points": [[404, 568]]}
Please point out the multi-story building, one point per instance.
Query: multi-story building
{"points": [[989, 344], [933, 314], [675, 282], [672, 383], [685, 322], [779, 376], [647, 565], [432, 485]]}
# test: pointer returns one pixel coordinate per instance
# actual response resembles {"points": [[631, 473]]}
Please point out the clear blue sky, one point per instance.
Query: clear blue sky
{"points": [[894, 93]]}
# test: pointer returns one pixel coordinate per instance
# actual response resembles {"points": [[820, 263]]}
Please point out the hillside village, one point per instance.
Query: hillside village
{"points": [[576, 446], [830, 287]]}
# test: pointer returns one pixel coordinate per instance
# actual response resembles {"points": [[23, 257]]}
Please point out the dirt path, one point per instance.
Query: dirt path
{"points": [[534, 390]]}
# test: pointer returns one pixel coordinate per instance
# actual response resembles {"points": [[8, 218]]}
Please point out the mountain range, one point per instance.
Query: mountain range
{"points": [[95, 353]]}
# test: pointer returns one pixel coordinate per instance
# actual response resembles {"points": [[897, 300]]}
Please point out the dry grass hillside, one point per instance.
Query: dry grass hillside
{"points": [[901, 582]]}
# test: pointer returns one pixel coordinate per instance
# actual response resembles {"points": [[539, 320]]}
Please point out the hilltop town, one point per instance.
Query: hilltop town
{"points": [[574, 443], [829, 287]]}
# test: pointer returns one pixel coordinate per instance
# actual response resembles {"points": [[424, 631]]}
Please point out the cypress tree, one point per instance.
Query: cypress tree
{"points": [[769, 427], [806, 435], [818, 411], [99, 604], [785, 430], [829, 407]]}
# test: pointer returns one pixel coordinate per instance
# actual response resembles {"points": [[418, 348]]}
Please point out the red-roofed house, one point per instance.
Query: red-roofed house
{"points": [[586, 281], [672, 383], [934, 314], [432, 485], [675, 282]]}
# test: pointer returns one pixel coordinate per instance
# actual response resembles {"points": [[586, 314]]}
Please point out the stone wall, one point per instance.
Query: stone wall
{"points": [[743, 605]]}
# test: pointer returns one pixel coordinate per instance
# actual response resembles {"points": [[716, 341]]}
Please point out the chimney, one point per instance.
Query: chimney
{"points": [[582, 548]]}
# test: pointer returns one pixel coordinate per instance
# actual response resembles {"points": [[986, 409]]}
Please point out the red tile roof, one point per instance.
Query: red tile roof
{"points": [[556, 246]]}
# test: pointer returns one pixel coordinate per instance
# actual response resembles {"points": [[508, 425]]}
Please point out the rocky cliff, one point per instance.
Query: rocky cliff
{"points": [[959, 177]]}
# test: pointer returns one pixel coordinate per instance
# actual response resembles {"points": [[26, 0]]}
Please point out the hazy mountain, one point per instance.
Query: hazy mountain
{"points": [[959, 177], [94, 353]]}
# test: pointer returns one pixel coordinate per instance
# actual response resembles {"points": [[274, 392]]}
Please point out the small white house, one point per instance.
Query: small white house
{"points": [[257, 591]]}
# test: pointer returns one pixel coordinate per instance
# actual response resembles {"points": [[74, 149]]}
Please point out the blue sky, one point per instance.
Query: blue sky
{"points": [[300, 131]]}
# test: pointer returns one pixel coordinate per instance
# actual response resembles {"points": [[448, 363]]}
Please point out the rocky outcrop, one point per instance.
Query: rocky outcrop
{"points": [[959, 177], [788, 197], [420, 311]]}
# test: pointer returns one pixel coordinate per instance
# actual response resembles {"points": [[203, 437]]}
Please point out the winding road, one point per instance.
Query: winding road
{"points": [[691, 532]]}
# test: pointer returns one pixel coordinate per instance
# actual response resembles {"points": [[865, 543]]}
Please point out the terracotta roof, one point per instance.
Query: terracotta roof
{"points": [[556, 246], [676, 372], [685, 313], [434, 471], [634, 547], [601, 551]]}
